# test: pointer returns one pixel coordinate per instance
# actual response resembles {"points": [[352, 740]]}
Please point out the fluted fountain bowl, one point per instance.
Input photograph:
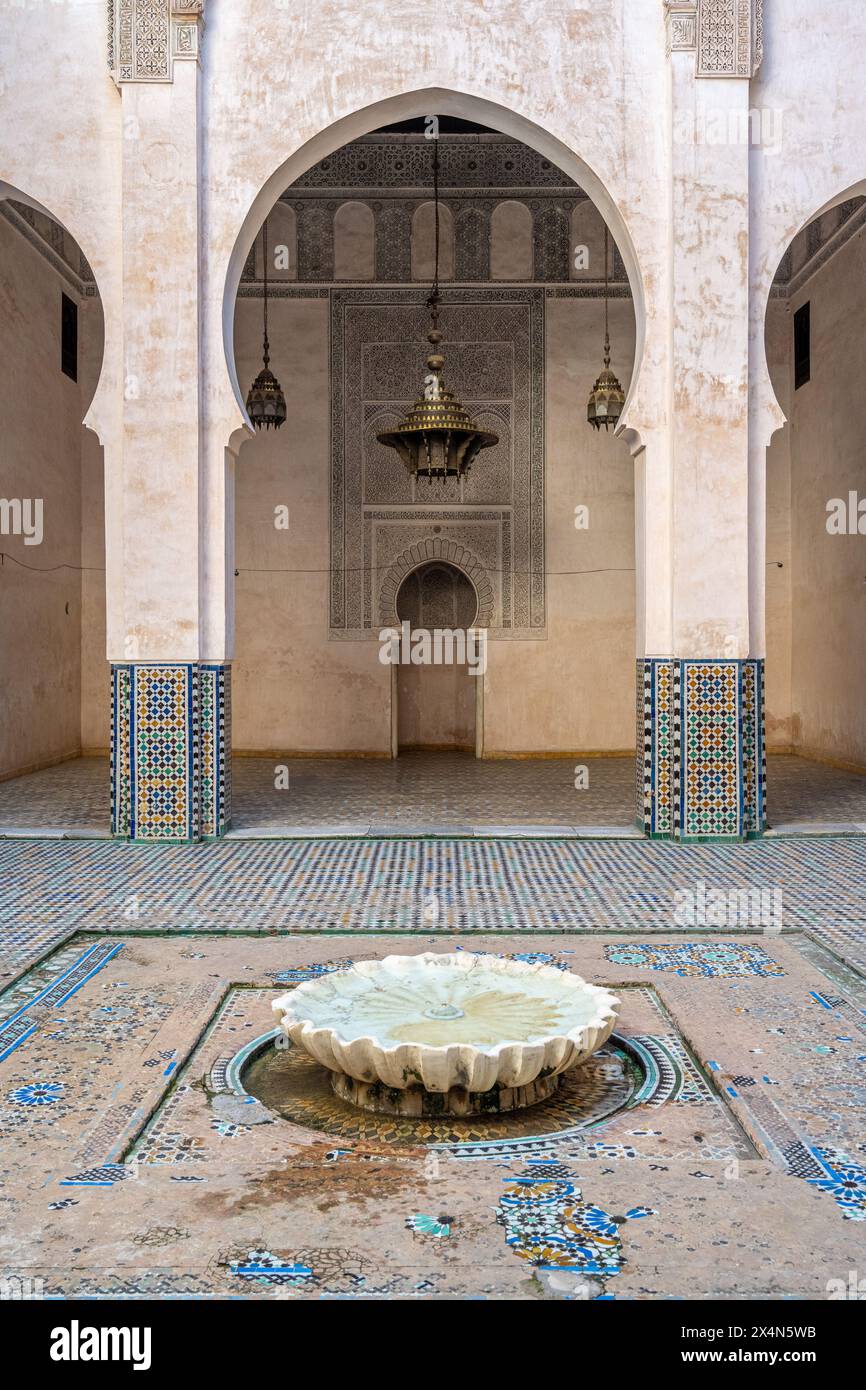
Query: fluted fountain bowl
{"points": [[457, 1033]]}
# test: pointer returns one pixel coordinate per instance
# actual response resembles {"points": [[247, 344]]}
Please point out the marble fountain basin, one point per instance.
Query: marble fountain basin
{"points": [[457, 1032]]}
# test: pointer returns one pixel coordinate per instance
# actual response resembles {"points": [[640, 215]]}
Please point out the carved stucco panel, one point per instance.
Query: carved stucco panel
{"points": [[494, 345], [729, 37], [146, 36]]}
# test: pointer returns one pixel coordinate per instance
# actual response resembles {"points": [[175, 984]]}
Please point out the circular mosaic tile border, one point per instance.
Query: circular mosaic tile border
{"points": [[292, 1085]]}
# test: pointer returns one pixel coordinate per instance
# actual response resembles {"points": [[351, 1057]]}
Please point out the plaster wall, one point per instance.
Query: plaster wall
{"points": [[282, 85], [40, 599], [292, 689], [828, 596], [585, 84], [810, 84], [295, 690], [574, 692], [779, 720], [95, 690], [60, 147]]}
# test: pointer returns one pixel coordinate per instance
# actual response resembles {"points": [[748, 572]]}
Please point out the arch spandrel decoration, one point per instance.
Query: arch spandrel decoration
{"points": [[727, 36], [146, 37], [437, 548], [495, 344], [510, 123]]}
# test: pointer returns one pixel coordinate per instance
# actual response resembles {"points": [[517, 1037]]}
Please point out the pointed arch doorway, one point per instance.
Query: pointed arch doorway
{"points": [[436, 705]]}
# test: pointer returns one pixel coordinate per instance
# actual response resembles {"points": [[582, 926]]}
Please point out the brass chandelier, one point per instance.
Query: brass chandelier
{"points": [[438, 438], [266, 404], [607, 397]]}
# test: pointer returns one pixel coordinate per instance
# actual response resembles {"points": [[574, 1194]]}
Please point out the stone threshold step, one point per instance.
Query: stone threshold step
{"points": [[799, 828]]}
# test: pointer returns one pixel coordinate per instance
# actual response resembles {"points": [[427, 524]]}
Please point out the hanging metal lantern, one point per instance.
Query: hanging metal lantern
{"points": [[266, 404], [438, 438], [607, 397]]}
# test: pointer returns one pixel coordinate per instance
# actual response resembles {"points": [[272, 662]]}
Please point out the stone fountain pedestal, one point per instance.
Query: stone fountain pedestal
{"points": [[452, 1034], [417, 1103]]}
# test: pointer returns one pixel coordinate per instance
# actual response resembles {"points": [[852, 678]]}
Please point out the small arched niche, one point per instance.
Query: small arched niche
{"points": [[437, 594], [511, 242], [424, 241], [354, 242], [282, 244]]}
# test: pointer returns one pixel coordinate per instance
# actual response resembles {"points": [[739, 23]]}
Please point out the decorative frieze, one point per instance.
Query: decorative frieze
{"points": [[681, 26], [317, 236], [494, 346], [814, 246], [146, 37], [729, 37], [486, 164]]}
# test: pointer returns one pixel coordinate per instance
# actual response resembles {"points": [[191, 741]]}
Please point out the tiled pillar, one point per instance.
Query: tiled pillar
{"points": [[170, 750], [701, 771]]}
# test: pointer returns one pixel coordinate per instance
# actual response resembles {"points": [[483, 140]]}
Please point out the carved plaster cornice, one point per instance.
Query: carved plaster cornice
{"points": [[730, 38], [147, 37], [726, 36], [681, 26]]}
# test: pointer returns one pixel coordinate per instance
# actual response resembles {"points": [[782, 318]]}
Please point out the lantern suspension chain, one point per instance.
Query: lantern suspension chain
{"points": [[438, 438], [265, 269], [433, 299], [607, 397], [266, 404], [606, 333]]}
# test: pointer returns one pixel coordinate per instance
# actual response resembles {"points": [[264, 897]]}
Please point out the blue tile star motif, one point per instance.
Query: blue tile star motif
{"points": [[845, 1181], [37, 1093], [549, 1224], [537, 958], [529, 957]]}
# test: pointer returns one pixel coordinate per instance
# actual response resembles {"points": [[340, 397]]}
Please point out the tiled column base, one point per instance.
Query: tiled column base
{"points": [[701, 770], [170, 750]]}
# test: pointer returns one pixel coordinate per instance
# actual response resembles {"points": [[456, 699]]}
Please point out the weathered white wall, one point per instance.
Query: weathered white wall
{"points": [[811, 84], [779, 722], [588, 82], [826, 431], [295, 690], [60, 147], [292, 689], [95, 687], [584, 84], [46, 640]]}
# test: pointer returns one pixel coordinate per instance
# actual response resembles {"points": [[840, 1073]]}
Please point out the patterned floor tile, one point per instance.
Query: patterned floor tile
{"points": [[420, 790], [51, 888]]}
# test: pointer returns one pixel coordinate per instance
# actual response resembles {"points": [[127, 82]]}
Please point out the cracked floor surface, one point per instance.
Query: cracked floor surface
{"points": [[135, 1164]]}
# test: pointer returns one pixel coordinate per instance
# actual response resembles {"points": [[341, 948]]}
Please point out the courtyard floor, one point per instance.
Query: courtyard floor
{"points": [[715, 1149], [424, 793]]}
